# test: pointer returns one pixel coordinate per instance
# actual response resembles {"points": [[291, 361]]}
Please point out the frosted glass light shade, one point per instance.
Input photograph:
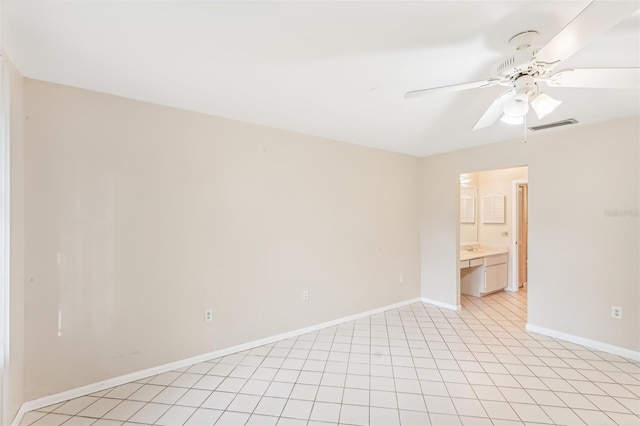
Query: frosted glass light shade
{"points": [[543, 105], [516, 108], [511, 120]]}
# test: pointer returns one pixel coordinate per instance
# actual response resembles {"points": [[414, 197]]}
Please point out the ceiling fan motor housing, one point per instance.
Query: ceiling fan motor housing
{"points": [[525, 87], [521, 62]]}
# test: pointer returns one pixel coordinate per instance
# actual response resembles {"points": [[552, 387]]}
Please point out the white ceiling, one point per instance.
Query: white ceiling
{"points": [[333, 69]]}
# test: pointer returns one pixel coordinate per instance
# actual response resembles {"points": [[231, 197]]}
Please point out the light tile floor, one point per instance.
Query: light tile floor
{"points": [[417, 365]]}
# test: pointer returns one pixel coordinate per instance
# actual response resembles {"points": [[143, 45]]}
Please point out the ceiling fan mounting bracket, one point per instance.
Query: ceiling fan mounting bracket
{"points": [[522, 61], [523, 40]]}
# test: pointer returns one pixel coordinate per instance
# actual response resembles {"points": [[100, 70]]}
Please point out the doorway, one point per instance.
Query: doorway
{"points": [[522, 233], [493, 220]]}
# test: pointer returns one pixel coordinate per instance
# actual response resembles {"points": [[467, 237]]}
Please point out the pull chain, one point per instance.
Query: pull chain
{"points": [[525, 128]]}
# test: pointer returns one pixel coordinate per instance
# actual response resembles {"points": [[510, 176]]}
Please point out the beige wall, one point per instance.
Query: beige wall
{"points": [[581, 261], [498, 181], [13, 85], [139, 217]]}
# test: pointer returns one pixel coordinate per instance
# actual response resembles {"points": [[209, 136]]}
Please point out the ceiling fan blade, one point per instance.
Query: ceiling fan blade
{"points": [[451, 88], [597, 78], [594, 19], [494, 111]]}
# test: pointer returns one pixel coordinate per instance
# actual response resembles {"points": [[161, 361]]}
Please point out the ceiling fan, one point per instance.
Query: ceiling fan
{"points": [[529, 66]]}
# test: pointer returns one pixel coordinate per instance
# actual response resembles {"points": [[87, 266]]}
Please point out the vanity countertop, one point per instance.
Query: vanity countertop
{"points": [[467, 255]]}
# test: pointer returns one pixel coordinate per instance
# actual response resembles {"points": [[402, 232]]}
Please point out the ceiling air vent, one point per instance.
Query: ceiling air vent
{"points": [[555, 124]]}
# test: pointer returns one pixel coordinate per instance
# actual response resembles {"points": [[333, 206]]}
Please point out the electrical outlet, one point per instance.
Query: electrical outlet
{"points": [[208, 315], [305, 295], [616, 312]]}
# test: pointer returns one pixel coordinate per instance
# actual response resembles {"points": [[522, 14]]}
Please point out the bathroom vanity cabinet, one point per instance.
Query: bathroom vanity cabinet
{"points": [[483, 275]]}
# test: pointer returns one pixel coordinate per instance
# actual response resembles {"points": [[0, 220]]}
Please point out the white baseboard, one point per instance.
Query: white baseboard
{"points": [[441, 304], [593, 344], [120, 380]]}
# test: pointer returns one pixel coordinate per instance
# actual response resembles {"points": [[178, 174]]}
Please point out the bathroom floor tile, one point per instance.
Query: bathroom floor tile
{"points": [[99, 408], [74, 406], [150, 413], [52, 419], [297, 409], [176, 415], [124, 410]]}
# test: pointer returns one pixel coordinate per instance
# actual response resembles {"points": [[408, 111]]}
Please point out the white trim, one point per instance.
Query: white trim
{"points": [[593, 344], [513, 281], [5, 231], [120, 380], [441, 304]]}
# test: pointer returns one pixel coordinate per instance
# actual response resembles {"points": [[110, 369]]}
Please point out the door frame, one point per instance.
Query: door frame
{"points": [[5, 163], [513, 278]]}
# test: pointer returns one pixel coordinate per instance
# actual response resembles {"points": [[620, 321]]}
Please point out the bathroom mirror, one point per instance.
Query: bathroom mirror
{"points": [[468, 215]]}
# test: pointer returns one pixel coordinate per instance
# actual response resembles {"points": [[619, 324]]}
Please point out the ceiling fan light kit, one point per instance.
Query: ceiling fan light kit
{"points": [[516, 108], [507, 119], [544, 105], [528, 66]]}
